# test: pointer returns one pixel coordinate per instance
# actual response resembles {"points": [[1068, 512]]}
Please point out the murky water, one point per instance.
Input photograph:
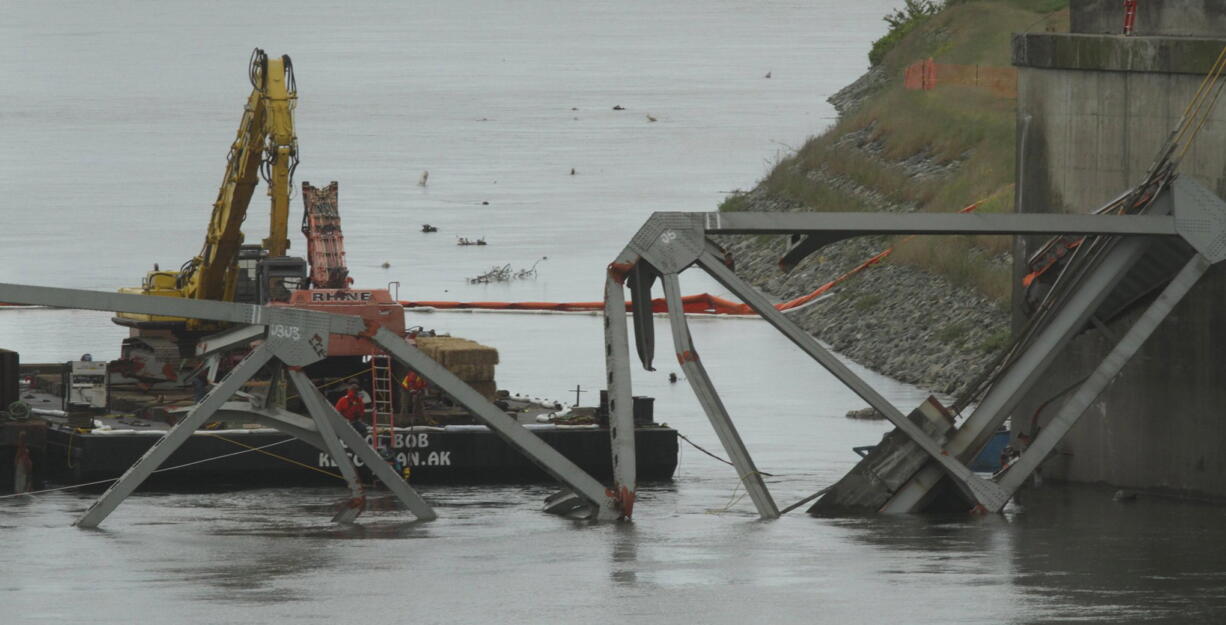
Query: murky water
{"points": [[113, 125]]}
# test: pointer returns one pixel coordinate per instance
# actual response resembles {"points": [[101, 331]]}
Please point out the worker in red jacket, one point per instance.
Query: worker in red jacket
{"points": [[352, 408]]}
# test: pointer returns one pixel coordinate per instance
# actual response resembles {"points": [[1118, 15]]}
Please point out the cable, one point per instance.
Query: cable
{"points": [[699, 448], [162, 470], [279, 457]]}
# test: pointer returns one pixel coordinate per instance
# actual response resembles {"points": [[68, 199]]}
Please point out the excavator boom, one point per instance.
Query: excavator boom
{"points": [[265, 146]]}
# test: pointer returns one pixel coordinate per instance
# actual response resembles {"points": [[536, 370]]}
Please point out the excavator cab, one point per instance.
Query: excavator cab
{"points": [[279, 277], [262, 278]]}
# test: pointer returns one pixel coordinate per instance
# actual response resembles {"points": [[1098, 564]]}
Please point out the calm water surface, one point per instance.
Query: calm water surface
{"points": [[114, 120]]}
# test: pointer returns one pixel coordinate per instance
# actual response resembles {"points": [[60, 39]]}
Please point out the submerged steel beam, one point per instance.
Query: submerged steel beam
{"points": [[697, 376], [1021, 376], [621, 400], [605, 507], [332, 426], [983, 492], [174, 438], [1051, 434]]}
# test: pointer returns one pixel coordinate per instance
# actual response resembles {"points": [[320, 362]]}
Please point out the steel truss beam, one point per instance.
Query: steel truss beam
{"points": [[296, 338], [669, 243], [1112, 363]]}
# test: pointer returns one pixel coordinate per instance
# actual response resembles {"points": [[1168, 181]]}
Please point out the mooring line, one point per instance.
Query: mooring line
{"points": [[699, 448], [162, 470]]}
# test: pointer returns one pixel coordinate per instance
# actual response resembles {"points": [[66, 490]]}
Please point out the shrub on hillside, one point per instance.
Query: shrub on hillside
{"points": [[902, 21]]}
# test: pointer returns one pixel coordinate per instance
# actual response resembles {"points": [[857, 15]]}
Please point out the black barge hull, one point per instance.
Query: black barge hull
{"points": [[463, 454]]}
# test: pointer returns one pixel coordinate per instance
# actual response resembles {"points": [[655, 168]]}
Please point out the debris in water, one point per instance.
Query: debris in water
{"points": [[572, 171], [650, 118], [467, 241], [619, 108], [868, 413], [428, 228], [506, 274], [386, 264], [425, 175], [768, 74]]}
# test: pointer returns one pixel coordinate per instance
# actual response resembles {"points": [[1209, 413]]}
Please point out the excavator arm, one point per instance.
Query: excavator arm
{"points": [[265, 146]]}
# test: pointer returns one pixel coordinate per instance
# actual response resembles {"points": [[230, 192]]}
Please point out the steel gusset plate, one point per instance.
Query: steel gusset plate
{"points": [[640, 280]]}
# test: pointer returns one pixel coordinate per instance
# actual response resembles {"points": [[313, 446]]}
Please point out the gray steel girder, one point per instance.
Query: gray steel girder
{"points": [[621, 401], [860, 224], [982, 491], [161, 450], [298, 337], [605, 505], [1112, 363], [332, 426], [1025, 372], [700, 382]]}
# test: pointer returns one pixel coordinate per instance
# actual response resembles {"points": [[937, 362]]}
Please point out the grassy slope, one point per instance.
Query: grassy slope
{"points": [[965, 128]]}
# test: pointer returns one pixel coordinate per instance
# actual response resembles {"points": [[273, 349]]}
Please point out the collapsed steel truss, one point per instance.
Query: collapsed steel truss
{"points": [[1186, 222], [290, 339]]}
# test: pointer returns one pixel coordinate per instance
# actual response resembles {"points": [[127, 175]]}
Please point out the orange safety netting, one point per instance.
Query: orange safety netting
{"points": [[703, 303]]}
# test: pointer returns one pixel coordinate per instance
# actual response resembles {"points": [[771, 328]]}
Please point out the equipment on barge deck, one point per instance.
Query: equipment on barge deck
{"points": [[267, 146], [227, 270]]}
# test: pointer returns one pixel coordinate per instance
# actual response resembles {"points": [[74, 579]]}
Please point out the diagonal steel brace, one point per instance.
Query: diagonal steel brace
{"points": [[1112, 363], [332, 426], [696, 375], [982, 491], [174, 438], [604, 503]]}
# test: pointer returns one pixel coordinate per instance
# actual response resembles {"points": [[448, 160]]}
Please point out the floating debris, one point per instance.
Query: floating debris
{"points": [[428, 228], [768, 75], [386, 264], [650, 118], [572, 171], [619, 108], [425, 175], [868, 413], [467, 241], [506, 274]]}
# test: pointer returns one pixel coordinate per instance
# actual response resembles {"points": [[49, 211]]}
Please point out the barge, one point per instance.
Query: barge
{"points": [[86, 447]]}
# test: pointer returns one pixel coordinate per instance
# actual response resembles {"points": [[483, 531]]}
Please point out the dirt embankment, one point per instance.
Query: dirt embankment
{"points": [[935, 312]]}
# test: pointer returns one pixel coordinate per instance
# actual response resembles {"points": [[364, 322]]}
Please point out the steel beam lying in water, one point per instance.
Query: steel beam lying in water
{"points": [[293, 338], [669, 243]]}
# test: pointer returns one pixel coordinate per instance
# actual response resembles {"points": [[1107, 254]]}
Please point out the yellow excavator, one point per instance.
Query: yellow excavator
{"points": [[227, 270], [266, 146]]}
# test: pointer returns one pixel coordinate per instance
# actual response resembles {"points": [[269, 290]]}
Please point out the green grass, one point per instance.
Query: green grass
{"points": [[967, 128]]}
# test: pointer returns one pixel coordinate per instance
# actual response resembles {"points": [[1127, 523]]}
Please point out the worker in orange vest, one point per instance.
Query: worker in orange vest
{"points": [[416, 387], [352, 408]]}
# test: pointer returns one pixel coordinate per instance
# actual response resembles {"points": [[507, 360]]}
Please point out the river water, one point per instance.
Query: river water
{"points": [[114, 121]]}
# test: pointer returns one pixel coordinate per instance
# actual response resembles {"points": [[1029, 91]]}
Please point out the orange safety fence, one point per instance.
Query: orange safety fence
{"points": [[926, 75], [703, 303]]}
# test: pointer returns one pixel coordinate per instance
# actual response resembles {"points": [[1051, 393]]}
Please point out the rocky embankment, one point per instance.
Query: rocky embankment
{"points": [[893, 318]]}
